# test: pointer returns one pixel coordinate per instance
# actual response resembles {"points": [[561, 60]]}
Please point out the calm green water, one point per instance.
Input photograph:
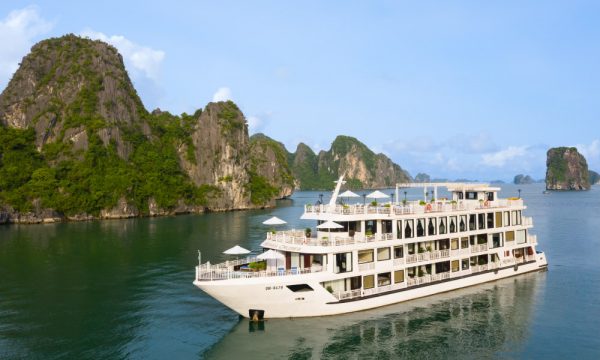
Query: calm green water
{"points": [[123, 289]]}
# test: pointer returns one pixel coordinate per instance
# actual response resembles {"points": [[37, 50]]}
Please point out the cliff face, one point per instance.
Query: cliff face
{"points": [[68, 86], [566, 170], [363, 168], [77, 143], [269, 159]]}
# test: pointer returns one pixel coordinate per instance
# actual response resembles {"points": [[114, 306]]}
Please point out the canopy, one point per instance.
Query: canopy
{"points": [[377, 195], [236, 250], [329, 225], [271, 255], [348, 193], [274, 221]]}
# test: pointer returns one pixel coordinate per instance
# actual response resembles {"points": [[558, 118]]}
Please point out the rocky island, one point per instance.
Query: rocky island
{"points": [[566, 169], [77, 143]]}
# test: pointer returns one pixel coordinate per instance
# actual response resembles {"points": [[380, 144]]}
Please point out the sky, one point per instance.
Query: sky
{"points": [[456, 89]]}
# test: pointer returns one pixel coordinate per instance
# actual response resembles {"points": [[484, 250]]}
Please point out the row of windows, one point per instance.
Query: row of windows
{"points": [[453, 224], [343, 260]]}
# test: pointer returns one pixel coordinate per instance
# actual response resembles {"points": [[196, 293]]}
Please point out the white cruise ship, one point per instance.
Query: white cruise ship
{"points": [[367, 255]]}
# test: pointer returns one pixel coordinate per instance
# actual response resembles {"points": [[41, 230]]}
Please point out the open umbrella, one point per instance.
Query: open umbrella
{"points": [[348, 194], [377, 195], [274, 221], [271, 255], [329, 225], [236, 250]]}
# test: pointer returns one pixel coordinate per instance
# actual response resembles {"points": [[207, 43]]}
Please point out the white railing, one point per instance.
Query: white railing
{"points": [[366, 266], [479, 248], [532, 239], [411, 207], [226, 270], [527, 220], [343, 295], [398, 261], [298, 237]]}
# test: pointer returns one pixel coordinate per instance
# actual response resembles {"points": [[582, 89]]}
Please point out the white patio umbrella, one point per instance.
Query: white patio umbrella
{"points": [[271, 255], [274, 221], [348, 194], [236, 250], [329, 225], [377, 195]]}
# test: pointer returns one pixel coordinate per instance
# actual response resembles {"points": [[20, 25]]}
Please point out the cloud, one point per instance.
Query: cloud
{"points": [[500, 158], [591, 151], [222, 94], [255, 124], [140, 60], [18, 31]]}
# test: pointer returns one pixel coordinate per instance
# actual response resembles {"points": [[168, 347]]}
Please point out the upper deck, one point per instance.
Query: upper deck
{"points": [[367, 211]]}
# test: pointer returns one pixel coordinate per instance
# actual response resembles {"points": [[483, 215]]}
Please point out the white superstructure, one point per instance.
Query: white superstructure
{"points": [[382, 253]]}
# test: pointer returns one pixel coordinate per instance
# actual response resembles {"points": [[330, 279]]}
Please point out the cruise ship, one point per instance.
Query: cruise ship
{"points": [[371, 254]]}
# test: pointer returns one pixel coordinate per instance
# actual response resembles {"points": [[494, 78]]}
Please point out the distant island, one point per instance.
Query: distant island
{"points": [[77, 143], [566, 169], [523, 179]]}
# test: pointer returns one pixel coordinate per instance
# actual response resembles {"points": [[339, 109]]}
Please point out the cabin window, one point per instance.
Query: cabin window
{"points": [[472, 222], [420, 227], [368, 282], [499, 219], [464, 243], [465, 264], [398, 276], [519, 219], [471, 195], [497, 240], [454, 244], [490, 220], [460, 195], [370, 227], [455, 265], [510, 236], [513, 218], [365, 256], [355, 282], [490, 196], [506, 218], [399, 229], [481, 221], [384, 279], [300, 288], [408, 228], [442, 222], [453, 225], [383, 254], [463, 223], [411, 248], [431, 226], [398, 252], [343, 262], [386, 226], [521, 237]]}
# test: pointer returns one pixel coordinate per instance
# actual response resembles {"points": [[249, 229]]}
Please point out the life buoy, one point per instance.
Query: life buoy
{"points": [[486, 203], [428, 207]]}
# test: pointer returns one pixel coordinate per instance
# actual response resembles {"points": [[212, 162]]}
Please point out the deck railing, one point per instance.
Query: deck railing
{"points": [[226, 270], [411, 207]]}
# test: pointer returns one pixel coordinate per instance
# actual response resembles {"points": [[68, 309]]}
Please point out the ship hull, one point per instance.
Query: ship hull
{"points": [[270, 297]]}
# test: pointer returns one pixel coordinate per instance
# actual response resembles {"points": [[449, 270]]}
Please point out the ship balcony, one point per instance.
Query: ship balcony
{"points": [[240, 269], [298, 237], [411, 207]]}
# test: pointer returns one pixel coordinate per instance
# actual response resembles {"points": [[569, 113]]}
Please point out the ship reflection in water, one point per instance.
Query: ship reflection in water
{"points": [[488, 320]]}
